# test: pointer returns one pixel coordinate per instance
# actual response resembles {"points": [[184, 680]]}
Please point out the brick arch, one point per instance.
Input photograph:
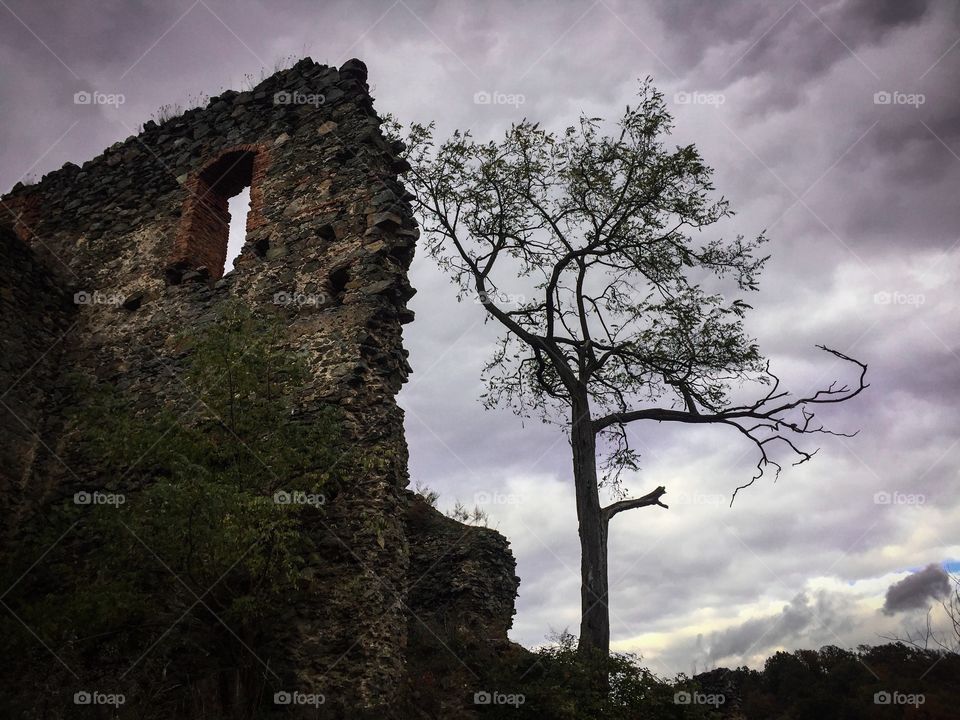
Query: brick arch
{"points": [[201, 240], [23, 213]]}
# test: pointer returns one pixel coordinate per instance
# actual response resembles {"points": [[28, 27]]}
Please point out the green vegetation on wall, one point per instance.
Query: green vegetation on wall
{"points": [[191, 530]]}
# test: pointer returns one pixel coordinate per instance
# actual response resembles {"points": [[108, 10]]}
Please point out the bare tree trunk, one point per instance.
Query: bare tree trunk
{"points": [[595, 615]]}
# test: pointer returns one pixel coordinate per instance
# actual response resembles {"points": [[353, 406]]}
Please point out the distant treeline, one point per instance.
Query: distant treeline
{"points": [[871, 683], [887, 681]]}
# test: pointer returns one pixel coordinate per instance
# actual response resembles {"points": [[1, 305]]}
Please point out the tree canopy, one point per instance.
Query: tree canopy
{"points": [[592, 247]]}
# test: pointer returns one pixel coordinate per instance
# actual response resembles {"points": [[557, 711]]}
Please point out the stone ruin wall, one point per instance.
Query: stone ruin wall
{"points": [[140, 233]]}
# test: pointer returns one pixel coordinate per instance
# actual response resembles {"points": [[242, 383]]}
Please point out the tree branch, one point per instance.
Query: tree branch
{"points": [[651, 498]]}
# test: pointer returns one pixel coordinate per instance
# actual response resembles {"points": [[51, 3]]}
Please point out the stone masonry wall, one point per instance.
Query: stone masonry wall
{"points": [[105, 263], [35, 313]]}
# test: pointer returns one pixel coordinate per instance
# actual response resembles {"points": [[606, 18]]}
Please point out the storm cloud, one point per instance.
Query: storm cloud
{"points": [[918, 590], [822, 613]]}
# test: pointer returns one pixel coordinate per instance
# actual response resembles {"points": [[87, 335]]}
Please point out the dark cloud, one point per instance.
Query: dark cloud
{"points": [[803, 614], [791, 43], [916, 591], [743, 20], [872, 19]]}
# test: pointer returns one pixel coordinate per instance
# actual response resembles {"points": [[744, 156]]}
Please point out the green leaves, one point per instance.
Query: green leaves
{"points": [[199, 517], [601, 229]]}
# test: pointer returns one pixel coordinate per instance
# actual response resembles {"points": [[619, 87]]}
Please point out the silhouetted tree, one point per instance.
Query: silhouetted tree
{"points": [[608, 320]]}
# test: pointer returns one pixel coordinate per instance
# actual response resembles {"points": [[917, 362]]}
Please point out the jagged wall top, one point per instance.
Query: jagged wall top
{"points": [[141, 169]]}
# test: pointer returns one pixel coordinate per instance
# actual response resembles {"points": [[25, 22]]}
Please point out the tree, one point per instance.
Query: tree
{"points": [[609, 320], [200, 558]]}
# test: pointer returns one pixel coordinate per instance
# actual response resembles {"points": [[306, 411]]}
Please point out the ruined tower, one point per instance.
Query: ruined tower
{"points": [[104, 263]]}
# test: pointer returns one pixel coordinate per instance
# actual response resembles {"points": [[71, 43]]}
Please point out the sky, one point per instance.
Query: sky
{"points": [[833, 125]]}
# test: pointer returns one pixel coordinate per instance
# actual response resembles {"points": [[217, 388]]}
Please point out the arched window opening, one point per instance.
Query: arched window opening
{"points": [[219, 210], [238, 206]]}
